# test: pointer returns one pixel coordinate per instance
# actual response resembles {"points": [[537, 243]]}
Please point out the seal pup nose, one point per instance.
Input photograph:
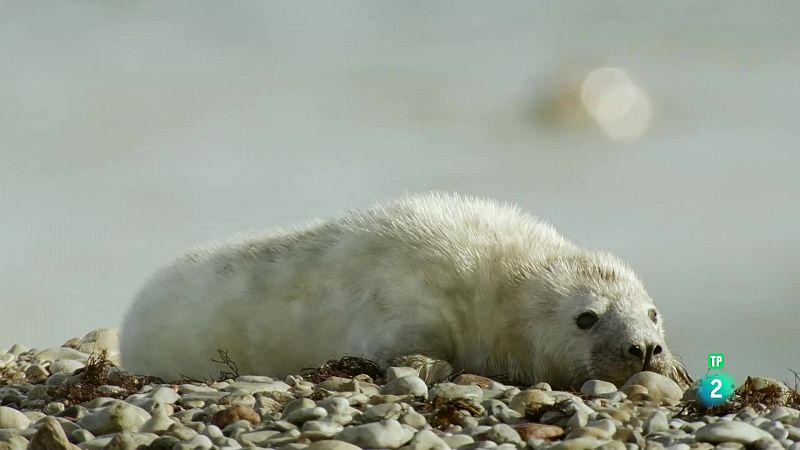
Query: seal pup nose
{"points": [[645, 353]]}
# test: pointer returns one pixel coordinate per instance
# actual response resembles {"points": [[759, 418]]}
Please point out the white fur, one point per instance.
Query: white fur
{"points": [[475, 282]]}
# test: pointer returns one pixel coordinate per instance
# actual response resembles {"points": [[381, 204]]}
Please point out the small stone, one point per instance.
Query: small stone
{"points": [[794, 432], [579, 419], [6, 359], [730, 446], [386, 434], [679, 446], [393, 373], [36, 373], [287, 437], [477, 380], [777, 431], [52, 354], [158, 423], [531, 399], [17, 349], [67, 366], [80, 435], [199, 442], [182, 432], [335, 405], [452, 391], [335, 384], [321, 429], [637, 392], [458, 440], [367, 388], [612, 445], [729, 431], [590, 431], [414, 419], [331, 445], [500, 410], [382, 412], [253, 388], [502, 433], [661, 389], [406, 385], [766, 443], [54, 408], [538, 431], [657, 421], [426, 440], [299, 416], [598, 387], [117, 416], [50, 436], [235, 413], [131, 441], [629, 436], [581, 443], [257, 437], [11, 418], [99, 340]]}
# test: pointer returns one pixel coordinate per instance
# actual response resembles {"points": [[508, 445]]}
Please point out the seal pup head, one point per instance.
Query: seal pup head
{"points": [[600, 322]]}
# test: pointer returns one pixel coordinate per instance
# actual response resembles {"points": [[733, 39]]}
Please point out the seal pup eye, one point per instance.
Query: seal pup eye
{"points": [[653, 315], [586, 320]]}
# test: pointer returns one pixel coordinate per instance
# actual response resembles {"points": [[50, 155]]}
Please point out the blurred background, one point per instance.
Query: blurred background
{"points": [[664, 133]]}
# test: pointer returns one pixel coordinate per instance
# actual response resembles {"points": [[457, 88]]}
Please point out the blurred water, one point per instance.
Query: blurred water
{"points": [[133, 130]]}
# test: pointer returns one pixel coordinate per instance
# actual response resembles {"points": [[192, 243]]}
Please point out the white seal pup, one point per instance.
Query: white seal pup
{"points": [[474, 282]]}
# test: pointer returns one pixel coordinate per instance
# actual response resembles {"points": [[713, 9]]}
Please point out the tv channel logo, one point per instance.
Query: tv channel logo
{"points": [[715, 388]]}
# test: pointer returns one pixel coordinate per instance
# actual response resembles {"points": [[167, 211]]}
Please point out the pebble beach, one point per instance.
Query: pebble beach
{"points": [[75, 397]]}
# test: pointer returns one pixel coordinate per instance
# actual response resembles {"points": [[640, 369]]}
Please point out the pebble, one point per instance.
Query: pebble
{"points": [[729, 431], [657, 421], [118, 416], [531, 399], [50, 436], [598, 387], [6, 359], [406, 385], [386, 434], [382, 412], [67, 366], [331, 445], [660, 388], [426, 440], [502, 433], [52, 354], [99, 340], [468, 379], [538, 431], [321, 429], [393, 373], [451, 391], [11, 418], [235, 413]]}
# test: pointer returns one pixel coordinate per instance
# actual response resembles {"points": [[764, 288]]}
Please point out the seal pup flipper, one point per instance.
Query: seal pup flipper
{"points": [[431, 370]]}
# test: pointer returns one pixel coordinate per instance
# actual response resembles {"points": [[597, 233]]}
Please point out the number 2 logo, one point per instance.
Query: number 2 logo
{"points": [[718, 385]]}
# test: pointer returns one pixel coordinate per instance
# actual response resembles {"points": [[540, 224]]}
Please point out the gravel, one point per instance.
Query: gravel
{"points": [[57, 398]]}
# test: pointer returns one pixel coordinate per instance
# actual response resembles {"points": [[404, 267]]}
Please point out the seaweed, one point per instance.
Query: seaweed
{"points": [[346, 367], [99, 371]]}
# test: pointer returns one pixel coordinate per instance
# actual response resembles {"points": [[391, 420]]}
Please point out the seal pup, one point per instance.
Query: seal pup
{"points": [[474, 282]]}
